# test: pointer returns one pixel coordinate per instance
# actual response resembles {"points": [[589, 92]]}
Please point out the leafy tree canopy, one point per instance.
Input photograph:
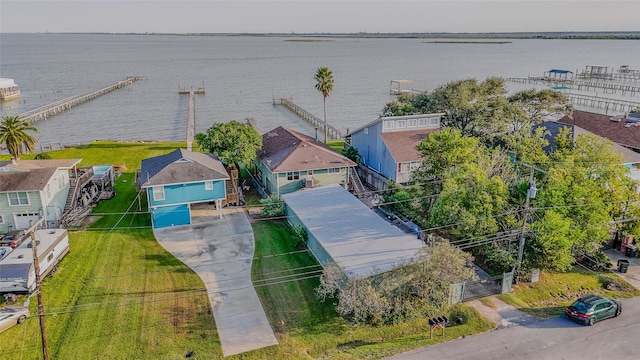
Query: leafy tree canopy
{"points": [[232, 142]]}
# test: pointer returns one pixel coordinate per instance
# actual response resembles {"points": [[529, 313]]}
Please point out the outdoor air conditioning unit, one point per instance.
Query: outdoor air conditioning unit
{"points": [[308, 182]]}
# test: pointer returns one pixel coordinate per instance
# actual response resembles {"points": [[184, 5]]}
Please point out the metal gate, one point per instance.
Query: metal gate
{"points": [[499, 284]]}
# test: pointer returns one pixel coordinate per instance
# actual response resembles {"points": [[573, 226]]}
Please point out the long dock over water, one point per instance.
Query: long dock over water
{"points": [[332, 132], [43, 112], [587, 85]]}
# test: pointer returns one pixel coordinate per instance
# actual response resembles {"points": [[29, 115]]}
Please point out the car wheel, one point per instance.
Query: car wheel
{"points": [[21, 319], [591, 321], [618, 311]]}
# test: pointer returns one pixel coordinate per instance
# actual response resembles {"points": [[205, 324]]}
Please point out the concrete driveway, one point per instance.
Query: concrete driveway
{"points": [[632, 276], [220, 251]]}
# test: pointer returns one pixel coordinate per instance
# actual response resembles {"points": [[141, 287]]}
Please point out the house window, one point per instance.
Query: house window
{"points": [[310, 172], [293, 175], [208, 185], [1, 219], [334, 170], [404, 167], [423, 122], [366, 130], [401, 124], [61, 182], [47, 191], [412, 122], [158, 193], [434, 121], [18, 198], [389, 124]]}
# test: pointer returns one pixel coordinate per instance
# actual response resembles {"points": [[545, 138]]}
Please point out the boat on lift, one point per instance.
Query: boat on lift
{"points": [[8, 89]]}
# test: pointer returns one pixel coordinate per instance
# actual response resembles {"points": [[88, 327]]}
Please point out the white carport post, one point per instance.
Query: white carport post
{"points": [[219, 206]]}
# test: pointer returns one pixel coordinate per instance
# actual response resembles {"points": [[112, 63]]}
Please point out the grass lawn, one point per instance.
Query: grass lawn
{"points": [[555, 291], [120, 295], [307, 328]]}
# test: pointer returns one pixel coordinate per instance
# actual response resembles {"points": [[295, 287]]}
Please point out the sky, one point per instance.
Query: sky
{"points": [[316, 16]]}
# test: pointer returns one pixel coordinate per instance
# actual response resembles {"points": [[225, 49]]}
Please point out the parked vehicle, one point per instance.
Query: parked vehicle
{"points": [[12, 315], [17, 270], [592, 308], [13, 238]]}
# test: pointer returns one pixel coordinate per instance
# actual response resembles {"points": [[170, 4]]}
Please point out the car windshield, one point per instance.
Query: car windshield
{"points": [[581, 307]]}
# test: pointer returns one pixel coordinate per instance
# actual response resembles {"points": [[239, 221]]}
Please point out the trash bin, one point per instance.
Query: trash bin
{"points": [[623, 265], [631, 251]]}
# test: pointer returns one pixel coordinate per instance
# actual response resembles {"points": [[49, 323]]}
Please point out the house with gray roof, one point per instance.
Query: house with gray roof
{"points": [[33, 189], [387, 146], [290, 161], [175, 181]]}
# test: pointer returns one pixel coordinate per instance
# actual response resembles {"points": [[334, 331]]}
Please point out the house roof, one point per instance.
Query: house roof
{"points": [[30, 175], [603, 126], [40, 164], [630, 156], [181, 166], [402, 144], [32, 180], [358, 240], [415, 116], [286, 150]]}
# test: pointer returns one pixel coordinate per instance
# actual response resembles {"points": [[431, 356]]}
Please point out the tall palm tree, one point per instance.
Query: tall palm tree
{"points": [[324, 84], [14, 133]]}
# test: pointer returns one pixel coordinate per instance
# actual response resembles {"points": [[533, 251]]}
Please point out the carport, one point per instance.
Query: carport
{"points": [[344, 230]]}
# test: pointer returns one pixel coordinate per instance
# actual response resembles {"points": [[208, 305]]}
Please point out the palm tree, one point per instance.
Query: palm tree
{"points": [[14, 133], [324, 84]]}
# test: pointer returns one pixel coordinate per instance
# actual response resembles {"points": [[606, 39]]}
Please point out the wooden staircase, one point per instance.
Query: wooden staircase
{"points": [[76, 185], [354, 179], [232, 189]]}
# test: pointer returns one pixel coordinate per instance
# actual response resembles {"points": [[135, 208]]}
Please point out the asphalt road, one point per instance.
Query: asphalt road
{"points": [[553, 339]]}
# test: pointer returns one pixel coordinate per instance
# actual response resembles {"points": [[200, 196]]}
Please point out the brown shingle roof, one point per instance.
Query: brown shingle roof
{"points": [[601, 125], [402, 144], [286, 150]]}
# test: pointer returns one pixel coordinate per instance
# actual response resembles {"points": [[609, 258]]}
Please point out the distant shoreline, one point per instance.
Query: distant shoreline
{"points": [[594, 35], [467, 42]]}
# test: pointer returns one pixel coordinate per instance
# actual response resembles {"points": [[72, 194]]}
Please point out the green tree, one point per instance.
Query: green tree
{"points": [[351, 153], [231, 142], [274, 206], [324, 84], [14, 133], [587, 188], [534, 106]]}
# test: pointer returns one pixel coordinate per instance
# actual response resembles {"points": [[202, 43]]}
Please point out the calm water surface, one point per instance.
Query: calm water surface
{"points": [[243, 74]]}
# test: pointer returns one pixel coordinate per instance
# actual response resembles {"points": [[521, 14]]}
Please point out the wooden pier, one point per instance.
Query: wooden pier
{"points": [[191, 122], [604, 103], [43, 112], [332, 132], [586, 85]]}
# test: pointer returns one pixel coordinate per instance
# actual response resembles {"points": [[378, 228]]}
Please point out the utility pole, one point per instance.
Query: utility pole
{"points": [[43, 330], [531, 193]]}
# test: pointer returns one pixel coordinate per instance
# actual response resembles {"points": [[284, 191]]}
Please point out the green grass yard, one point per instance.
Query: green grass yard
{"points": [[555, 291], [120, 295]]}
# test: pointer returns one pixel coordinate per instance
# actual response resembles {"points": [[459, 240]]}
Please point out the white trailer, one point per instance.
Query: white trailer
{"points": [[17, 269]]}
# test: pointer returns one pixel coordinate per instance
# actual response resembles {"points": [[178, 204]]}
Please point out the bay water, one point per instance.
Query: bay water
{"points": [[242, 74]]}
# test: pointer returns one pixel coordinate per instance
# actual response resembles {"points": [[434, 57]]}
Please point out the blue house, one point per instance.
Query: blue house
{"points": [[387, 146], [176, 180]]}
